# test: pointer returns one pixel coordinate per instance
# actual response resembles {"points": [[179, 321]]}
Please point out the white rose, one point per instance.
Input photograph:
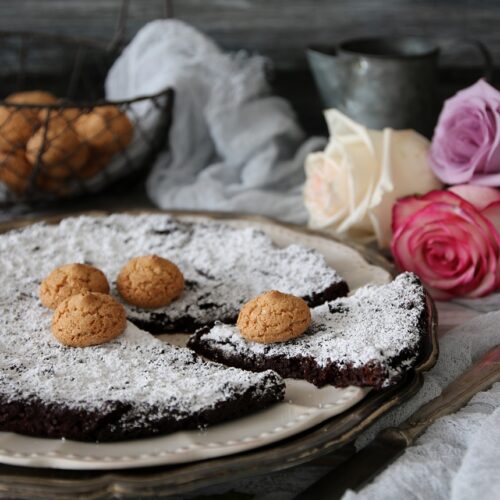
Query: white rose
{"points": [[351, 186]]}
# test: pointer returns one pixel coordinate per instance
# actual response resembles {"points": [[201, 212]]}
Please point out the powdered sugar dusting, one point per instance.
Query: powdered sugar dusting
{"points": [[223, 266], [156, 379], [135, 368], [377, 323]]}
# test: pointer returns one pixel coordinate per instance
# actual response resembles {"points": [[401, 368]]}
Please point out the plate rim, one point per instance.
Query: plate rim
{"points": [[334, 436]]}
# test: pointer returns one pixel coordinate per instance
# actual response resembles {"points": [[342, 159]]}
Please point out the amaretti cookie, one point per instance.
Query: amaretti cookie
{"points": [[17, 125], [368, 339], [105, 129], [96, 162], [88, 319], [15, 129], [35, 97], [15, 170], [273, 317], [150, 281], [58, 147], [71, 279]]}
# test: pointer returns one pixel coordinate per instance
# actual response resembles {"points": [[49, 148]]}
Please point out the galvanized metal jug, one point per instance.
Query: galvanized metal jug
{"points": [[384, 82]]}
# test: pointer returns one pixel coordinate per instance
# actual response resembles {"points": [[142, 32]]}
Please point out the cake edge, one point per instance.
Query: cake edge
{"points": [[373, 374], [160, 324], [34, 417]]}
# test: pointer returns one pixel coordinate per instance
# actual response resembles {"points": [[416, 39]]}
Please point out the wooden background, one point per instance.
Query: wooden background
{"points": [[282, 29]]}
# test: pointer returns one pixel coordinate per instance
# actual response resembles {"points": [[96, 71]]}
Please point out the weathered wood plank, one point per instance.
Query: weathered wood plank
{"points": [[280, 29]]}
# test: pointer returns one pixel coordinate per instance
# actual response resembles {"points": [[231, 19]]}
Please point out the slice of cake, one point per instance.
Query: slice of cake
{"points": [[368, 339], [134, 386]]}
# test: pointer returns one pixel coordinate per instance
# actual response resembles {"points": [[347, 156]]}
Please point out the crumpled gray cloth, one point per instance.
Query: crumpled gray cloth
{"points": [[233, 146], [458, 457]]}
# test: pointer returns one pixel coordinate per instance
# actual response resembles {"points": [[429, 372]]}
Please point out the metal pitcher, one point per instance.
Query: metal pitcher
{"points": [[384, 82]]}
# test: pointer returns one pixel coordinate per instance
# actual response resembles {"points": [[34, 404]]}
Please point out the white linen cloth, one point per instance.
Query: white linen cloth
{"points": [[458, 457], [233, 146]]}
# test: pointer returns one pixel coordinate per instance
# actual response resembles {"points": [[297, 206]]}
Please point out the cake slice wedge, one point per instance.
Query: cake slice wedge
{"points": [[368, 339], [132, 387]]}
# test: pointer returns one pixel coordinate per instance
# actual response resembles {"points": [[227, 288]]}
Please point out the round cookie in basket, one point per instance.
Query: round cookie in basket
{"points": [[66, 139]]}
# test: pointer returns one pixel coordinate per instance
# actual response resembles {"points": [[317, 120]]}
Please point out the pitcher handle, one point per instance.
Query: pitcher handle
{"points": [[487, 58]]}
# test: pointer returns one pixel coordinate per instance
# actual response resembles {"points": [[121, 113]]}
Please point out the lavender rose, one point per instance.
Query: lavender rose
{"points": [[466, 143]]}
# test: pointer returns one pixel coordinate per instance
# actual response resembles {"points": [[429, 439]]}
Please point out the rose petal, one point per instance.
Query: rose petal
{"points": [[441, 276], [493, 160], [323, 190], [479, 196], [492, 213], [492, 180], [407, 206], [363, 159], [401, 148]]}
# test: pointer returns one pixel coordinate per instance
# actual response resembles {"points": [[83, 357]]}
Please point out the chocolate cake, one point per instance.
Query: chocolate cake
{"points": [[136, 385], [223, 266], [368, 339]]}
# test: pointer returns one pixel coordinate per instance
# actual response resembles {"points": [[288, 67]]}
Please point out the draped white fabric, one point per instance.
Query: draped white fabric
{"points": [[459, 456], [233, 146]]}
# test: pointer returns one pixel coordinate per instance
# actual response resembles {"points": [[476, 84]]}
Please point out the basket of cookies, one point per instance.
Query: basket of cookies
{"points": [[60, 145]]}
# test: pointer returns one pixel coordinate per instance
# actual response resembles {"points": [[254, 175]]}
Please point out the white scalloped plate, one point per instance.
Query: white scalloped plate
{"points": [[304, 407]]}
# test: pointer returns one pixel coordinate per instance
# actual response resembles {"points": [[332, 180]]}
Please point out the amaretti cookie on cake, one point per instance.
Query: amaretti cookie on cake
{"points": [[149, 281], [71, 279], [87, 319], [368, 339], [273, 317]]}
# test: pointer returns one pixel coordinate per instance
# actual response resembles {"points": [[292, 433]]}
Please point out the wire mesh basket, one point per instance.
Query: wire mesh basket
{"points": [[59, 137]]}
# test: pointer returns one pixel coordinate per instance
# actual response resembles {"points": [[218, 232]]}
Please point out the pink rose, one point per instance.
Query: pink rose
{"points": [[466, 143], [451, 239]]}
